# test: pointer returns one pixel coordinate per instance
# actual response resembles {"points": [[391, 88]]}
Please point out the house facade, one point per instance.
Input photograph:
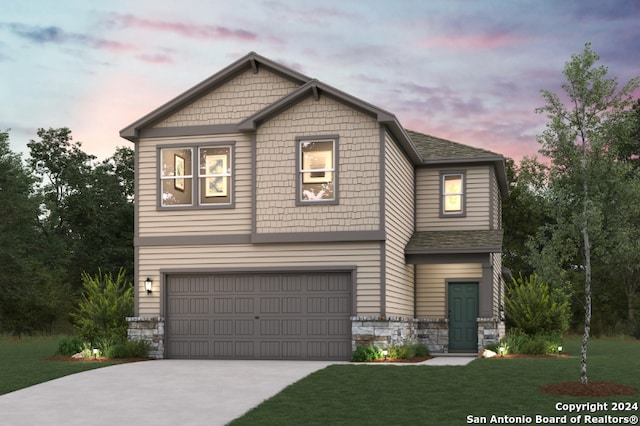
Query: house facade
{"points": [[278, 217]]}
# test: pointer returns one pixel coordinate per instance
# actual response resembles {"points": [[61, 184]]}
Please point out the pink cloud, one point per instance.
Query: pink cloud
{"points": [[469, 42], [186, 30], [155, 59]]}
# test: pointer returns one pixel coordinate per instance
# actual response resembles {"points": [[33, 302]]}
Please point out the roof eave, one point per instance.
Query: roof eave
{"points": [[454, 250]]}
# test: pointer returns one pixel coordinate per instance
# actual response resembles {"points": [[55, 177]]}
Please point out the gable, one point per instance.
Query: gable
{"points": [[233, 101]]}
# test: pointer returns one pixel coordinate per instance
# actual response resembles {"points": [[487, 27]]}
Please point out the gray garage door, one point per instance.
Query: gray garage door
{"points": [[259, 316]]}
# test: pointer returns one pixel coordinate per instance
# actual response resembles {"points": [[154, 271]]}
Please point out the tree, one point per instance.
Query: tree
{"points": [[88, 205], [27, 300], [523, 212], [583, 141]]}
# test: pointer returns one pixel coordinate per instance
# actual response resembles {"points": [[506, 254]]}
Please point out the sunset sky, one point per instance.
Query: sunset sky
{"points": [[468, 71]]}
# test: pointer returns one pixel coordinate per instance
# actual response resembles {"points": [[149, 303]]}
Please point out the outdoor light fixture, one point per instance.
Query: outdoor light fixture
{"points": [[147, 285], [559, 349], [95, 352], [385, 353], [501, 350]]}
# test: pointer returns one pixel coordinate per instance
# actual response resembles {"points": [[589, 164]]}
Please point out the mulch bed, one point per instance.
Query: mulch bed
{"points": [[590, 389], [99, 359], [400, 360]]}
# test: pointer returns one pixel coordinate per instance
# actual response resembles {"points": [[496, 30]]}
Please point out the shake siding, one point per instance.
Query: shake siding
{"points": [[276, 170], [399, 208], [233, 101], [431, 286], [167, 222], [478, 193], [246, 258]]}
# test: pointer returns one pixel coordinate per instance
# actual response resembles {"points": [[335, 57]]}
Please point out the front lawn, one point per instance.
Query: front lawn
{"points": [[23, 364], [411, 395]]}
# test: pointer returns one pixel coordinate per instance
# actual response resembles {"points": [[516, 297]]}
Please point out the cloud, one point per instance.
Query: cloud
{"points": [[186, 30], [486, 41], [56, 35], [155, 59]]}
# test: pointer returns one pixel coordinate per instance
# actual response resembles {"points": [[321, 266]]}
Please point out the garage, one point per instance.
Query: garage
{"points": [[259, 316]]}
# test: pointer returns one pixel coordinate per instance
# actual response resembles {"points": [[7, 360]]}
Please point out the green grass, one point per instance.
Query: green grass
{"points": [[411, 395], [22, 362]]}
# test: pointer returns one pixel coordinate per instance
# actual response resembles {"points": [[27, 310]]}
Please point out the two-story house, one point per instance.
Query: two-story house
{"points": [[278, 217]]}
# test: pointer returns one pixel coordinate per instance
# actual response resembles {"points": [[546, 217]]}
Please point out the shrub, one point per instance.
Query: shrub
{"points": [[516, 342], [407, 351], [532, 307], [101, 314], [366, 353], [70, 345], [129, 349]]}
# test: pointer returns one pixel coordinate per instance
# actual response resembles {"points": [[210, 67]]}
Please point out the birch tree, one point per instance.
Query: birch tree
{"points": [[587, 126]]}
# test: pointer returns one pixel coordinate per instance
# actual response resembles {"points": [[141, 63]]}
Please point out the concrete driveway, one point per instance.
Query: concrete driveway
{"points": [[162, 392]]}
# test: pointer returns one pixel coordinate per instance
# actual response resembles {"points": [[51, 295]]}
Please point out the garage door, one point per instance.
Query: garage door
{"points": [[259, 316]]}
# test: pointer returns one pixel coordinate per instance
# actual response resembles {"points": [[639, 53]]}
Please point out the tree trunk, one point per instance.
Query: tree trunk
{"points": [[587, 274], [587, 311]]}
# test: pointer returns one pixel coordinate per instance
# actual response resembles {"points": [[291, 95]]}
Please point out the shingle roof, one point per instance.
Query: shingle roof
{"points": [[440, 242], [437, 149]]}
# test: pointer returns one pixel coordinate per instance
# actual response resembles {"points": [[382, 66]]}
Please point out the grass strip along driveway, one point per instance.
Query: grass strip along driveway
{"points": [[23, 363], [424, 395]]}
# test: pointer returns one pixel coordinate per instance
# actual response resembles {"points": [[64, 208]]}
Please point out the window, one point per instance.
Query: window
{"points": [[179, 186], [317, 180], [452, 194]]}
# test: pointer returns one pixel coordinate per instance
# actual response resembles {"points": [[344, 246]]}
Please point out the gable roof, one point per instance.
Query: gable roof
{"points": [[438, 151], [423, 150], [433, 149], [250, 61]]}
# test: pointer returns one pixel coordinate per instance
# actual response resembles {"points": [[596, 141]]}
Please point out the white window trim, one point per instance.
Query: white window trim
{"points": [[195, 149], [334, 139], [462, 193]]}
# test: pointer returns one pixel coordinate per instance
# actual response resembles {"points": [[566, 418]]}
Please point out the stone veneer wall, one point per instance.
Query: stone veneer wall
{"points": [[490, 330], [150, 329], [432, 333]]}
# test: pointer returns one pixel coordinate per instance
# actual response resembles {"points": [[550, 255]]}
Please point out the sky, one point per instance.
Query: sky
{"points": [[470, 71]]}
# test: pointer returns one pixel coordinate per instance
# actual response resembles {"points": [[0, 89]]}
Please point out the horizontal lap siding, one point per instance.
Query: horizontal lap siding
{"points": [[399, 208], [359, 163], [247, 258], [477, 200], [431, 286], [193, 222]]}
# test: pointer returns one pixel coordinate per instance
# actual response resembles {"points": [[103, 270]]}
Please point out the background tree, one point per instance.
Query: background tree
{"points": [[88, 220], [29, 300], [523, 212], [583, 141]]}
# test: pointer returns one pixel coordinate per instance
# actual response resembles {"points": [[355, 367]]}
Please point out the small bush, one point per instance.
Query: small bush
{"points": [[516, 342], [407, 351], [129, 349], [70, 345], [535, 347], [366, 353]]}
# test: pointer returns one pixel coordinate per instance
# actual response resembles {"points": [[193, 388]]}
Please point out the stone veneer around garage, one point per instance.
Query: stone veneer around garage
{"points": [[150, 329], [433, 333]]}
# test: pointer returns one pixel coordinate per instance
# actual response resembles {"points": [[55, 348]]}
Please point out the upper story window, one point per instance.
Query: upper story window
{"points": [[452, 190], [199, 176], [317, 172]]}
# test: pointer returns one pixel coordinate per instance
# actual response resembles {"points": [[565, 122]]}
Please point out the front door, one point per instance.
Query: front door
{"points": [[463, 314]]}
